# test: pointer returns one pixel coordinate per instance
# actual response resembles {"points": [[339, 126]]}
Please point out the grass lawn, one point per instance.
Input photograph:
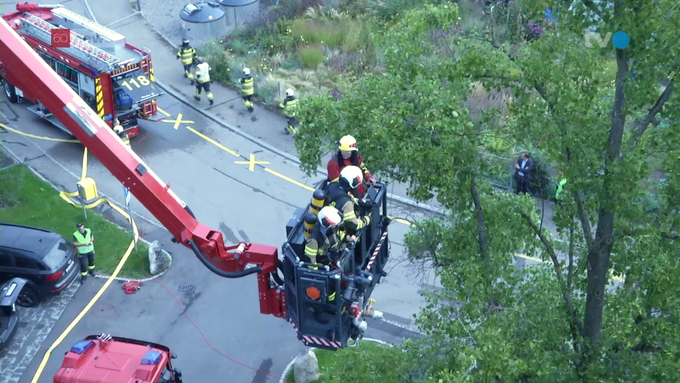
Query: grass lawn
{"points": [[331, 371], [27, 200]]}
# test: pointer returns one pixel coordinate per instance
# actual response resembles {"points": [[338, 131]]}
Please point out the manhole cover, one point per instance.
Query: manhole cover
{"points": [[187, 289]]}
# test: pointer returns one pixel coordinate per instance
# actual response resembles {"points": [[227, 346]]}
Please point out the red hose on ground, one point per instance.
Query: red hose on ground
{"points": [[208, 341]]}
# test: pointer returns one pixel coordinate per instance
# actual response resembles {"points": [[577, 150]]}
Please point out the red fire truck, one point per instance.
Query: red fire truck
{"points": [[105, 358], [114, 78]]}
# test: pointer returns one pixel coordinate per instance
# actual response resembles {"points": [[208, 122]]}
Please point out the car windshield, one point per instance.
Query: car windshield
{"points": [[58, 255]]}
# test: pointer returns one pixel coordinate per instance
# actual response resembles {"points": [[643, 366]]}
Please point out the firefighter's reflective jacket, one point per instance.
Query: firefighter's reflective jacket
{"points": [[323, 243], [342, 201], [247, 83], [289, 106], [187, 54]]}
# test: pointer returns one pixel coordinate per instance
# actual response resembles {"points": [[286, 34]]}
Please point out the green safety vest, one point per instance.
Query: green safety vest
{"points": [[86, 239], [187, 55], [559, 187]]}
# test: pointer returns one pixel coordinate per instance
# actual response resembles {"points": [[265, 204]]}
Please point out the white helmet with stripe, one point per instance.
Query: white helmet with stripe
{"points": [[329, 217], [352, 176]]}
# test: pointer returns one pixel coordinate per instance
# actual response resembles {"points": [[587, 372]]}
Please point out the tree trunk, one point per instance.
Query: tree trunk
{"points": [[600, 251], [483, 241]]}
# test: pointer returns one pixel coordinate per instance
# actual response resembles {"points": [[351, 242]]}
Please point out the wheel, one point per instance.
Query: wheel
{"points": [[28, 297], [10, 92]]}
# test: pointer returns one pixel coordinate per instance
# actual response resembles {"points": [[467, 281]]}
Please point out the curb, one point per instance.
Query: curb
{"points": [[257, 141], [290, 365]]}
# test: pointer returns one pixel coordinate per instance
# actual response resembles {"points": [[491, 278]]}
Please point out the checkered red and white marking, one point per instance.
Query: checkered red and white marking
{"points": [[312, 340], [376, 251]]}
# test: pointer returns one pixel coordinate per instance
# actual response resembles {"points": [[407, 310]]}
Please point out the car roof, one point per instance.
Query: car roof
{"points": [[31, 239]]}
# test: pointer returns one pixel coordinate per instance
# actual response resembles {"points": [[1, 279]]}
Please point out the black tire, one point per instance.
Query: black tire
{"points": [[28, 297], [10, 92]]}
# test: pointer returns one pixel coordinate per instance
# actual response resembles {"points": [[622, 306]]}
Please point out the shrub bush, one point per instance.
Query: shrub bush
{"points": [[311, 56]]}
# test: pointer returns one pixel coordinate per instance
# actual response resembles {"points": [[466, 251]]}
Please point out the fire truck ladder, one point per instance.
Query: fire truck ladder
{"points": [[80, 49]]}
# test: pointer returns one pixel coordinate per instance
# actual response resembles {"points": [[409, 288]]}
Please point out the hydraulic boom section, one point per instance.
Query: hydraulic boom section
{"points": [[29, 71]]}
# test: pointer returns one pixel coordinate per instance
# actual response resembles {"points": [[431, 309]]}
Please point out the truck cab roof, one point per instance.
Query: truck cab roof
{"points": [[103, 358]]}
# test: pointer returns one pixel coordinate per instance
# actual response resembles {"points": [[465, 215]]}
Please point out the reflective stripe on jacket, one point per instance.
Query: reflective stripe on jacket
{"points": [[85, 239], [247, 82], [187, 55], [289, 105]]}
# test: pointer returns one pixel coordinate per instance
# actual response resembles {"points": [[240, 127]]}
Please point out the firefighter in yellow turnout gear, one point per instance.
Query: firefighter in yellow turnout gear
{"points": [[289, 106], [340, 195], [187, 53], [248, 89], [203, 80], [326, 238], [118, 129]]}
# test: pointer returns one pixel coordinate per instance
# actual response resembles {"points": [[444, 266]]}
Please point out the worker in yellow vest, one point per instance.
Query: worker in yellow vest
{"points": [[83, 240], [187, 53], [118, 129], [203, 80]]}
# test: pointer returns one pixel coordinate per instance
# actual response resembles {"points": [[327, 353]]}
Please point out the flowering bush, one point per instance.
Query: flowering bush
{"points": [[533, 31]]}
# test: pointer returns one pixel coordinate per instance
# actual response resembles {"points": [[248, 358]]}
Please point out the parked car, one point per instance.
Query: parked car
{"points": [[45, 259], [9, 316]]}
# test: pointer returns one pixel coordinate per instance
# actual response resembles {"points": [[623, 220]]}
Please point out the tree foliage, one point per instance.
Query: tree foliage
{"points": [[608, 116]]}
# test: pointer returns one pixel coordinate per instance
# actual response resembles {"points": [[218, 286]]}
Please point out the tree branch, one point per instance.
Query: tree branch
{"points": [[585, 222], [482, 238], [643, 124], [575, 321], [570, 271]]}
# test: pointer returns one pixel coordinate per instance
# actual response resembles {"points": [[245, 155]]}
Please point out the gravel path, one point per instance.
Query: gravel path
{"points": [[164, 16]]}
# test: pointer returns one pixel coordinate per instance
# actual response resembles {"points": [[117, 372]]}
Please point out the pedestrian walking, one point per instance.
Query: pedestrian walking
{"points": [[187, 53], [248, 89], [203, 80], [289, 106], [83, 240]]}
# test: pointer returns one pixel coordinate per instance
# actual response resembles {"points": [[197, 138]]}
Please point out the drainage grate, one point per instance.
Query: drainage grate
{"points": [[187, 289]]}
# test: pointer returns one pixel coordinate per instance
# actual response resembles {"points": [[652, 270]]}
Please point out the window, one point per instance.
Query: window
{"points": [[25, 263], [5, 260], [67, 72], [58, 255]]}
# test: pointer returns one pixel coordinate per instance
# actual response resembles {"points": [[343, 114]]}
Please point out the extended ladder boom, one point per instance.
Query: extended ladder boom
{"points": [[31, 72]]}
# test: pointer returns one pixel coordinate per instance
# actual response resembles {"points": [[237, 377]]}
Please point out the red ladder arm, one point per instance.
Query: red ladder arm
{"points": [[29, 71]]}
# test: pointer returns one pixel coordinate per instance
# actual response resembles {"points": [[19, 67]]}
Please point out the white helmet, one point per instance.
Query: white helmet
{"points": [[118, 129], [352, 176], [246, 71], [329, 217], [289, 92]]}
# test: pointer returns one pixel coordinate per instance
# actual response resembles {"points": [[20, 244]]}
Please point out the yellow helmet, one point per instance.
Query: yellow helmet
{"points": [[329, 217], [351, 176], [347, 143]]}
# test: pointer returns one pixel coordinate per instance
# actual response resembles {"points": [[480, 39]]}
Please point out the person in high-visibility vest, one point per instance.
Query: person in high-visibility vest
{"points": [[187, 53], [289, 106], [248, 89], [83, 240], [203, 80]]}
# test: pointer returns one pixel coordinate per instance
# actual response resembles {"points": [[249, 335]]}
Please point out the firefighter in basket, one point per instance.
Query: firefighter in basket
{"points": [[327, 238]]}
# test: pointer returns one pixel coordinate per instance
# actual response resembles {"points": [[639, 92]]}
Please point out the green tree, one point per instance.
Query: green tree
{"points": [[494, 321]]}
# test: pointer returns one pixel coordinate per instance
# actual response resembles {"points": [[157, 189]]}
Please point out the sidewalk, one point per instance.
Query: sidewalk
{"points": [[264, 126]]}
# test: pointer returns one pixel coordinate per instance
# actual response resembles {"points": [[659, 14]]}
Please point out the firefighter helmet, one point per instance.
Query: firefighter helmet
{"points": [[199, 60], [351, 176], [118, 129], [347, 143], [246, 71], [185, 41], [289, 93], [329, 217]]}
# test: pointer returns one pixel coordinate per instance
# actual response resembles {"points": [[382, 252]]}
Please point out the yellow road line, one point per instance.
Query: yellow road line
{"points": [[37, 137], [300, 184], [107, 284], [203, 136], [166, 114]]}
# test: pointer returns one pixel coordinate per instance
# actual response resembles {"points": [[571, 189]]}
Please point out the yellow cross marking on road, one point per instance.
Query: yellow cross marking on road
{"points": [[251, 164], [179, 121], [166, 114]]}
